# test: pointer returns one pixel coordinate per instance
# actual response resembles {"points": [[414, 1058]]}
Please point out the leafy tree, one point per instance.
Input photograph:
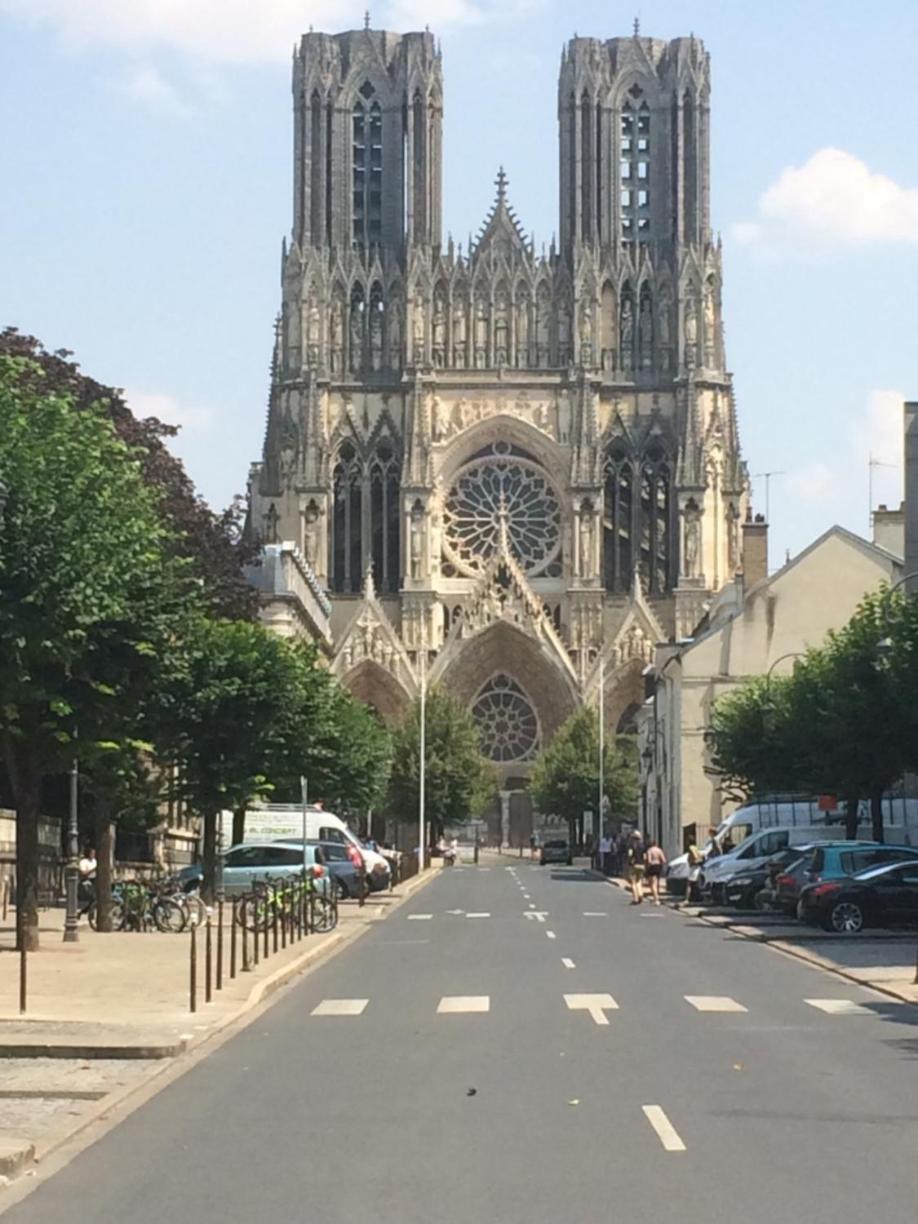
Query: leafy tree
{"points": [[459, 781], [565, 778], [85, 575], [222, 717], [753, 742], [211, 542], [352, 773]]}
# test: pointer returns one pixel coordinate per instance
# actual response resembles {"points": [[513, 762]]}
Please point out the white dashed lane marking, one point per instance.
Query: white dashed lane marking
{"points": [[478, 915], [714, 1003], [551, 935], [567, 962], [419, 917], [595, 914], [596, 1004], [463, 1003], [340, 1007], [839, 1007], [666, 1132]]}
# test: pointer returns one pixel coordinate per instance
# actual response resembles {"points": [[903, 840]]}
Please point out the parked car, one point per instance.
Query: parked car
{"points": [[884, 895], [556, 851], [741, 890], [342, 869], [834, 861], [244, 865], [376, 867]]}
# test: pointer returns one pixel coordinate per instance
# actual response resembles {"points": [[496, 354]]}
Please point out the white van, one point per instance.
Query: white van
{"points": [[284, 822]]}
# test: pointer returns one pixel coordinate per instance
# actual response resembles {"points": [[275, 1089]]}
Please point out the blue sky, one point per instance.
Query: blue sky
{"points": [[147, 190]]}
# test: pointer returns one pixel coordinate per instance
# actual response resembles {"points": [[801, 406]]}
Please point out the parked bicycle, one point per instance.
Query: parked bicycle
{"points": [[287, 899]]}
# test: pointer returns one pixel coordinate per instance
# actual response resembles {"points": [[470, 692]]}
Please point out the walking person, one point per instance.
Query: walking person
{"points": [[636, 864], [656, 862]]}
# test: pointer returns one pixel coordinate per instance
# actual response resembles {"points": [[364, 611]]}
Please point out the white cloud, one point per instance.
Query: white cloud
{"points": [[834, 199], [239, 31], [879, 431], [147, 85], [815, 484], [190, 418]]}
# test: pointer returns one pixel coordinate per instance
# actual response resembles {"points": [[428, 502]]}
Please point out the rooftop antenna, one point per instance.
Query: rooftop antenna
{"points": [[766, 476], [366, 20], [637, 27], [871, 464]]}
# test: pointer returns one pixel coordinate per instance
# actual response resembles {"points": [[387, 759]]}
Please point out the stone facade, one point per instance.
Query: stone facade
{"points": [[534, 454]]}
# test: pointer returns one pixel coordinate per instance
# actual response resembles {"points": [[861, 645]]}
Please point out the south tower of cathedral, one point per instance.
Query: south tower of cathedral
{"points": [[513, 470]]}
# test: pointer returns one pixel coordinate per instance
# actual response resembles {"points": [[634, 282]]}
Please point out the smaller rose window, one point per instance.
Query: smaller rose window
{"points": [[508, 728]]}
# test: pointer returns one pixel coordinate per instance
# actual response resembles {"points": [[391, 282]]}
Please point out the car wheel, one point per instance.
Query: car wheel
{"points": [[341, 890], [845, 918], [799, 912]]}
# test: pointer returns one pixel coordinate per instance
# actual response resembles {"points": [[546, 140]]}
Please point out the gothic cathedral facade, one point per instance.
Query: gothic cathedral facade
{"points": [[513, 471]]}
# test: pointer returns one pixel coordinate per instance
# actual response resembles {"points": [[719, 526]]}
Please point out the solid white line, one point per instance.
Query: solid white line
{"points": [[839, 1007], [340, 1007], [666, 1132], [714, 1003], [567, 962], [551, 935], [419, 917], [464, 1003]]}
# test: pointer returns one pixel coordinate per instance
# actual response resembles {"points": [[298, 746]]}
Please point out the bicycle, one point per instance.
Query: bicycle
{"points": [[284, 898]]}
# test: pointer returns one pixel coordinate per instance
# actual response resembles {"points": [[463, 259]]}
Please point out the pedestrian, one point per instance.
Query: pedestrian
{"points": [[636, 857], [605, 854], [656, 862], [86, 889], [693, 854]]}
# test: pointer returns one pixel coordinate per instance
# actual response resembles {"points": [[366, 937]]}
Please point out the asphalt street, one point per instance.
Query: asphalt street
{"points": [[518, 1045]]}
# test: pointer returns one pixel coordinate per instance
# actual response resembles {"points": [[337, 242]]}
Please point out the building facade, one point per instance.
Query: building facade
{"points": [[503, 463]]}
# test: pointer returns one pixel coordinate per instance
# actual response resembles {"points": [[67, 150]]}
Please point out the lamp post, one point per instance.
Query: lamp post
{"points": [[602, 745], [422, 764], [72, 870]]}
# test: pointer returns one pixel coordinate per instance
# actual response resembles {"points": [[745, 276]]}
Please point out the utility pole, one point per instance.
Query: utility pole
{"points": [[422, 765], [602, 744]]}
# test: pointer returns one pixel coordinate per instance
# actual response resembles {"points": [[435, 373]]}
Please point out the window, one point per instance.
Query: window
{"points": [[365, 520], [508, 728], [634, 165], [245, 856], [332, 835], [366, 163], [618, 522], [656, 522]]}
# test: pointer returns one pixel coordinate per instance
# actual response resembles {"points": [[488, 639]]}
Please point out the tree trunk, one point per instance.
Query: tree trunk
{"points": [[104, 841], [208, 887], [851, 806], [238, 826], [25, 780], [876, 815]]}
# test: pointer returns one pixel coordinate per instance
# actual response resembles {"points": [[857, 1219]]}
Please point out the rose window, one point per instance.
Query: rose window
{"points": [[508, 729], [502, 481]]}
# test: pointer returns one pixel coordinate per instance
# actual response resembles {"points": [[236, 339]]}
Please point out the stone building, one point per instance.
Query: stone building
{"points": [[503, 463]]}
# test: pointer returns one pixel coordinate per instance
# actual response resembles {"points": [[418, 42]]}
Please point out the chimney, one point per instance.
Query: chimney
{"points": [[755, 551], [889, 529], [911, 492]]}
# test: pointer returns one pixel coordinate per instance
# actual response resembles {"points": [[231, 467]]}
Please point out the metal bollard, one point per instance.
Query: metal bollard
{"points": [[267, 934], [220, 945], [246, 967], [233, 940], [208, 961], [285, 902], [193, 969], [255, 932], [23, 971], [278, 893]]}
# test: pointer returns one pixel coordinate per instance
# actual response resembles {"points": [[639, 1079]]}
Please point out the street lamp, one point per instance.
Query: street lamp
{"points": [[791, 654], [422, 765]]}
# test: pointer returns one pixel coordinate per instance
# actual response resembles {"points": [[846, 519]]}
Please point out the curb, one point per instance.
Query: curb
{"points": [[15, 1154], [117, 1051]]}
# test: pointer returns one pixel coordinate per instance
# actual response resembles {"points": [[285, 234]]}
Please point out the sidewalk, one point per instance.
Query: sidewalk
{"points": [[111, 1011]]}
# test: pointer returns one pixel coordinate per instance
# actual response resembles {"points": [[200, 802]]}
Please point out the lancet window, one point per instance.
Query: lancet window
{"points": [[365, 522], [634, 167], [366, 162], [637, 524]]}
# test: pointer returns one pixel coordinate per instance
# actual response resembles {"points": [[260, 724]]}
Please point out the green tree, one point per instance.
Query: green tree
{"points": [[753, 742], [222, 718], [565, 778], [84, 570], [459, 781]]}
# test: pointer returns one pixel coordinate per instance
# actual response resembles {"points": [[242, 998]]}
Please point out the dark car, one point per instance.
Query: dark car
{"points": [[341, 868], [885, 895], [741, 890], [556, 851], [834, 861]]}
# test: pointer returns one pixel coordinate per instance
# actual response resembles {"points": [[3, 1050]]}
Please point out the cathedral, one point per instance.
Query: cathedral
{"points": [[514, 471]]}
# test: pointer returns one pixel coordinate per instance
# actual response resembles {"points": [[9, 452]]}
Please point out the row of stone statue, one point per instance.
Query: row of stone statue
{"points": [[635, 334]]}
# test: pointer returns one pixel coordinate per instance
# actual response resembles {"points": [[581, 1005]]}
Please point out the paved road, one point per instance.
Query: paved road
{"points": [[532, 1111]]}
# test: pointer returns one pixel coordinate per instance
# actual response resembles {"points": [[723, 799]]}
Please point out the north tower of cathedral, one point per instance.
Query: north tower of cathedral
{"points": [[503, 464]]}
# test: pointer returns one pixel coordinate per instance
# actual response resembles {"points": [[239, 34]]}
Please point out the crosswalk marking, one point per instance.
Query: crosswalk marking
{"points": [[839, 1007], [596, 1004], [567, 962], [482, 915], [419, 917], [340, 1007], [666, 1132], [714, 1003], [464, 1003]]}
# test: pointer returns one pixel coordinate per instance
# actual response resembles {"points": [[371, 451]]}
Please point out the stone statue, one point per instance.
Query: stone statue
{"points": [[586, 333], [459, 309], [626, 333], [356, 337], [376, 339], [646, 333], [395, 336], [732, 538], [311, 534], [418, 333], [522, 333], [691, 331], [586, 540], [710, 327], [417, 540], [439, 333], [436, 419], [335, 335], [691, 540], [481, 331], [313, 334]]}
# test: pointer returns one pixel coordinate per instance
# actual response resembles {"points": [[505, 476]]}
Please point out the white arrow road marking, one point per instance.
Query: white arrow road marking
{"points": [[714, 1003], [666, 1132], [419, 917], [551, 935], [340, 1007], [478, 915], [839, 1007], [539, 915], [596, 1004], [567, 962], [464, 1003]]}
